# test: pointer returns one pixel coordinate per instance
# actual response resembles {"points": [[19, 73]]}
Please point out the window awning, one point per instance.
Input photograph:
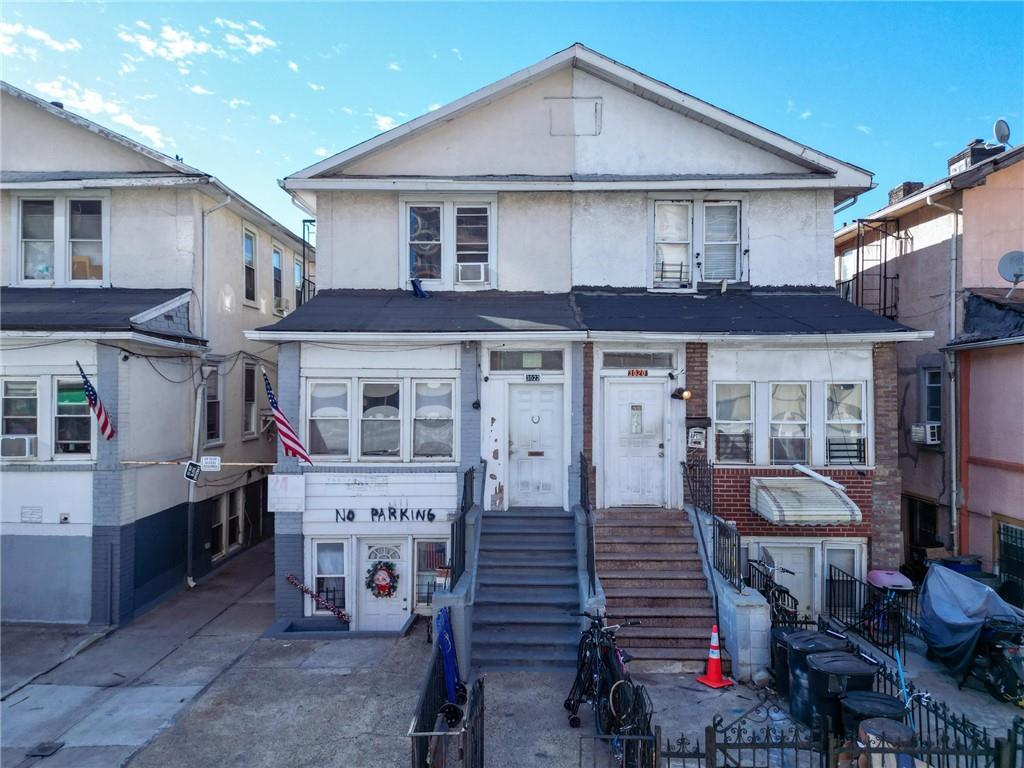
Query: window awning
{"points": [[801, 501]]}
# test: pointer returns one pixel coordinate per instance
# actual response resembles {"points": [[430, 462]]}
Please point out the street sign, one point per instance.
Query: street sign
{"points": [[192, 470], [210, 463]]}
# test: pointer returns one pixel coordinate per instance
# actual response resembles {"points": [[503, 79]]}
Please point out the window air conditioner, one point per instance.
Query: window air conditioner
{"points": [[18, 447], [472, 273], [282, 305], [926, 433]]}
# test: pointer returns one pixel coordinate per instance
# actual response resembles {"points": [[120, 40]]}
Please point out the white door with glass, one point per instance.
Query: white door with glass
{"points": [[800, 583], [634, 437], [391, 612], [535, 445]]}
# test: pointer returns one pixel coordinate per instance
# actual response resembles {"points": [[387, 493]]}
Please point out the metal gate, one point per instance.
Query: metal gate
{"points": [[433, 744]]}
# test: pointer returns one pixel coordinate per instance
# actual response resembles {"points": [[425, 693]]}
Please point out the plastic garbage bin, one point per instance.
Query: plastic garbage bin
{"points": [[780, 655], [858, 706], [830, 676], [888, 736], [800, 647], [963, 563]]}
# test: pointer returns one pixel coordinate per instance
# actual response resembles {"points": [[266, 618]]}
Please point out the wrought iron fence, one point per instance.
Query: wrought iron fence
{"points": [[1011, 553], [588, 511], [425, 721], [699, 475], [726, 550], [784, 607], [433, 743], [883, 617], [458, 532]]}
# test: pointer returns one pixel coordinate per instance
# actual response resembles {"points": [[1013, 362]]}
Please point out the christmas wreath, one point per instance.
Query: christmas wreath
{"points": [[382, 579]]}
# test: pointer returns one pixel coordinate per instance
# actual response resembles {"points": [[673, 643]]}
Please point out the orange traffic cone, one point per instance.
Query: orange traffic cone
{"points": [[713, 678]]}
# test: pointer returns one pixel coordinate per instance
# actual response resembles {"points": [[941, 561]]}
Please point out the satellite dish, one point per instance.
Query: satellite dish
{"points": [[1001, 130], [1011, 268]]}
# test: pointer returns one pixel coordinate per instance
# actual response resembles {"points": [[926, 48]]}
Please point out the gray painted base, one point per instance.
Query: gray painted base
{"points": [[47, 578]]}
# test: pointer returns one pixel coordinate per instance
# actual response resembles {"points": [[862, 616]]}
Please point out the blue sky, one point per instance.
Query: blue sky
{"points": [[251, 92]]}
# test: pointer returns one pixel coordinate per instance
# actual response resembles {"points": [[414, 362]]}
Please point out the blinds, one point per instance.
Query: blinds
{"points": [[721, 240]]}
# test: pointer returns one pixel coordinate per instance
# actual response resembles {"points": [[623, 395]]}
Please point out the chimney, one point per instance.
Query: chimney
{"points": [[975, 152], [905, 189], [58, 104]]}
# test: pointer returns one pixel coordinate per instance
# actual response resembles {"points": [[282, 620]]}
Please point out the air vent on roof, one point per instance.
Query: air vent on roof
{"points": [[58, 104]]}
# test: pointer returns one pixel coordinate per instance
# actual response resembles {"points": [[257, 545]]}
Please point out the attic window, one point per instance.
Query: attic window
{"points": [[575, 116]]}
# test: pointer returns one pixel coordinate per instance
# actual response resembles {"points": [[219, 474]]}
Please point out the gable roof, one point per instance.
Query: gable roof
{"points": [[601, 66]]}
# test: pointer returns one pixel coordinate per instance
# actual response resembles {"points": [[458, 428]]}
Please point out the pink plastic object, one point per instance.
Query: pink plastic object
{"points": [[888, 579]]}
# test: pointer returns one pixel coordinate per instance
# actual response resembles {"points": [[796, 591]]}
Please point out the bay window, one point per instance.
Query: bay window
{"points": [[788, 424], [380, 431], [20, 419], [734, 422], [72, 419], [449, 243], [844, 424]]}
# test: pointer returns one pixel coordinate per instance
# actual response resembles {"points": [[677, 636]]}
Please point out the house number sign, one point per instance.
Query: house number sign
{"points": [[637, 372], [533, 377]]}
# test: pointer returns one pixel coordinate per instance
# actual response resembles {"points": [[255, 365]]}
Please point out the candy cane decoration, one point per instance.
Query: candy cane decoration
{"points": [[327, 605]]}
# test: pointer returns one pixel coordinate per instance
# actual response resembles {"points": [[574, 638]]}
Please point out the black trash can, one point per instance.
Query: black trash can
{"points": [[780, 655], [859, 706], [831, 675], [802, 645]]}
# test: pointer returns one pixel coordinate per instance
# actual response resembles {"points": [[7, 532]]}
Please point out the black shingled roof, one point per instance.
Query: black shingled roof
{"points": [[796, 311]]}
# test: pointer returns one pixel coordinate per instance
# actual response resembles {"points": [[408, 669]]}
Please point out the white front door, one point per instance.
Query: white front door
{"points": [[535, 445], [634, 454], [383, 613], [800, 583]]}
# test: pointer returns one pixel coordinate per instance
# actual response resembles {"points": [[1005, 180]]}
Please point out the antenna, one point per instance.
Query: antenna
{"points": [[1011, 269], [1001, 130]]}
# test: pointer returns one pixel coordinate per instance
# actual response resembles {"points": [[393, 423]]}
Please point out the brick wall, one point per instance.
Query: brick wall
{"points": [[886, 534], [697, 383]]}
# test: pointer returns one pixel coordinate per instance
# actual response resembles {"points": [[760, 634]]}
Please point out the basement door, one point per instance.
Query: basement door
{"points": [[383, 613], [634, 444], [535, 445]]}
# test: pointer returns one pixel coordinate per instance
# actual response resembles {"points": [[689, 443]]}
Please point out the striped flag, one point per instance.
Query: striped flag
{"points": [[289, 438], [106, 425]]}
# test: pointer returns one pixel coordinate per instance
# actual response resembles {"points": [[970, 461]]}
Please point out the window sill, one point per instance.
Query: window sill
{"points": [[248, 438], [218, 443], [252, 304], [323, 461]]}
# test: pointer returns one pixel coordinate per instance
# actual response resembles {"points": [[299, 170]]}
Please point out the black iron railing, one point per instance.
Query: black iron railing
{"points": [[588, 511], [458, 532], [1011, 553], [882, 617], [726, 550], [432, 697], [846, 450], [699, 474], [784, 607]]}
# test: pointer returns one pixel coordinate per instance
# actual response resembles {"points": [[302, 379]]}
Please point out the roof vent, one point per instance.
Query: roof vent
{"points": [[906, 189], [975, 152], [58, 104]]}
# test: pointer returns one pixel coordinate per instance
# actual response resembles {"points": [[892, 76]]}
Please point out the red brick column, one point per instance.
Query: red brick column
{"points": [[588, 415], [697, 383], [886, 483]]}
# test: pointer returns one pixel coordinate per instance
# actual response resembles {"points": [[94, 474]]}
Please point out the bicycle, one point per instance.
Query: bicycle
{"points": [[622, 708], [883, 616], [781, 603]]}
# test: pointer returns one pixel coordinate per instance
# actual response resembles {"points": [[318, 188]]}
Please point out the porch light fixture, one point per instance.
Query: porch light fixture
{"points": [[681, 393]]}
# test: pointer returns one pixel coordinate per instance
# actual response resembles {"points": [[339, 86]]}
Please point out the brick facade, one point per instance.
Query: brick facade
{"points": [[886, 534], [697, 383]]}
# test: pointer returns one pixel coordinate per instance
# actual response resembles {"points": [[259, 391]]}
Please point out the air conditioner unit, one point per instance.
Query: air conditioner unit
{"points": [[18, 447], [472, 273], [282, 305], [926, 433]]}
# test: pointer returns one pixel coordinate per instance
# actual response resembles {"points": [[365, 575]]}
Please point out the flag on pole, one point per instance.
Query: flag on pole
{"points": [[106, 425], [289, 438]]}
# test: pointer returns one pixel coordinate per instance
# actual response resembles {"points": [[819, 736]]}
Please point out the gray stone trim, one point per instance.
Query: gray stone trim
{"points": [[286, 388]]}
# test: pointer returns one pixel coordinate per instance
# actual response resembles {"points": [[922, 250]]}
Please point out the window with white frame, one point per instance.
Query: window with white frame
{"points": [[297, 269], [433, 426], [20, 419], [329, 573], [249, 411], [430, 555], [329, 419], [721, 256], [278, 287], [932, 410], [734, 422], [62, 239], [672, 239], [236, 518], [85, 239], [449, 242], [249, 264], [788, 423], [218, 526], [72, 425], [844, 424], [380, 425], [37, 239], [213, 406]]}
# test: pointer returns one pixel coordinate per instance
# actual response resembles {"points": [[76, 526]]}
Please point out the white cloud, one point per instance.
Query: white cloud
{"points": [[275, 119], [865, 129], [805, 114], [238, 27], [255, 24], [236, 103], [9, 33], [199, 90], [433, 107], [457, 53], [394, 66], [171, 44], [384, 122], [90, 102], [790, 105], [126, 67], [347, 110], [316, 86], [293, 66], [255, 44], [320, 152], [143, 25]]}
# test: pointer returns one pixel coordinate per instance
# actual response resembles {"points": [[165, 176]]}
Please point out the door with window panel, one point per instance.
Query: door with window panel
{"points": [[385, 613]]}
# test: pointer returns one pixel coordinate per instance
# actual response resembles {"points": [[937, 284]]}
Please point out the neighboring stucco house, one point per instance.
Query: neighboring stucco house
{"points": [[593, 242], [146, 272], [931, 258]]}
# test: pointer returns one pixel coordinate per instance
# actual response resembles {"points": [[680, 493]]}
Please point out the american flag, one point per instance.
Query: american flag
{"points": [[106, 425], [289, 438]]}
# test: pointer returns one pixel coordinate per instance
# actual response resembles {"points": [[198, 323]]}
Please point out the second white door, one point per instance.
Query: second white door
{"points": [[535, 445], [634, 439]]}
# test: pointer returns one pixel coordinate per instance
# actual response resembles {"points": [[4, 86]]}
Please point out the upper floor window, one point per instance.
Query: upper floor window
{"points": [[298, 282], [213, 407], [380, 431], [20, 419], [62, 240], [932, 394], [249, 264], [721, 240], [672, 221], [73, 419], [278, 286], [788, 424], [734, 422], [696, 240], [844, 424], [249, 400], [449, 242]]}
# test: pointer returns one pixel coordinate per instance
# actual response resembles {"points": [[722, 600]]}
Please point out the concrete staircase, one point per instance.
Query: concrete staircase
{"points": [[650, 569], [526, 590]]}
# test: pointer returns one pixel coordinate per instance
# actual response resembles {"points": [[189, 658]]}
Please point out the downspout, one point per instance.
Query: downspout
{"points": [[952, 403], [848, 204]]}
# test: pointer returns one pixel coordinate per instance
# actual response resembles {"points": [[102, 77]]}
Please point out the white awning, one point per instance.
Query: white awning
{"points": [[801, 501]]}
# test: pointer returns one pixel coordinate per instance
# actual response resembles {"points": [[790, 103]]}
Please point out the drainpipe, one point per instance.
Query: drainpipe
{"points": [[196, 426], [952, 404]]}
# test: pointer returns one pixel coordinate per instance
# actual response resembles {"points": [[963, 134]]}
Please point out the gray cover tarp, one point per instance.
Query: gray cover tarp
{"points": [[953, 609]]}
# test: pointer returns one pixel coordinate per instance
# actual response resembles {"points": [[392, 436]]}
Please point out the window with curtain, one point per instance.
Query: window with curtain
{"points": [[328, 419], [430, 555], [37, 242], [72, 420], [380, 433], [788, 424], [329, 573], [844, 424], [734, 422], [433, 430], [672, 239], [425, 242], [85, 239], [720, 258]]}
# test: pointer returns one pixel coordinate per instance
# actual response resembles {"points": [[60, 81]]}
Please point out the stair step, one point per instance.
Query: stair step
{"points": [[661, 574], [627, 559], [522, 535], [541, 580], [640, 580], [490, 545], [665, 633], [560, 639], [552, 513], [653, 615], [523, 560], [643, 652], [518, 529], [525, 615], [634, 544], [562, 598], [501, 659], [501, 567]]}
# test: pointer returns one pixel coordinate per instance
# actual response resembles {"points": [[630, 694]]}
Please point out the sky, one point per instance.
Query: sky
{"points": [[252, 92]]}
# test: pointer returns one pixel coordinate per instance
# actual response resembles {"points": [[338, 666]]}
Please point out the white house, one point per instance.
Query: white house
{"points": [[593, 243], [145, 272]]}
